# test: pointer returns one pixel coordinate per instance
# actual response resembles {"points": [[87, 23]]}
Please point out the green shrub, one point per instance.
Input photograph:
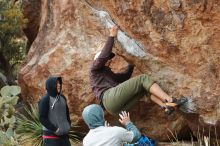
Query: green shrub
{"points": [[12, 39]]}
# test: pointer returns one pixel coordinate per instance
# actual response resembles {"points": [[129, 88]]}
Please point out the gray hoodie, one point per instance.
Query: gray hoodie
{"points": [[53, 110]]}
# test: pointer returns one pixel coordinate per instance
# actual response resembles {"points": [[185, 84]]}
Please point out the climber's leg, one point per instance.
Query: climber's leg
{"points": [[158, 92], [157, 101], [115, 99]]}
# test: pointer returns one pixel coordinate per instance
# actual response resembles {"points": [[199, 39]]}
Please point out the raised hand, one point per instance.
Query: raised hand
{"points": [[124, 118], [114, 31]]}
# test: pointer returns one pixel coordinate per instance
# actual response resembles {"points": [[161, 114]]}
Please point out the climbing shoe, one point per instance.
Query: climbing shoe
{"points": [[169, 110], [170, 107], [180, 102]]}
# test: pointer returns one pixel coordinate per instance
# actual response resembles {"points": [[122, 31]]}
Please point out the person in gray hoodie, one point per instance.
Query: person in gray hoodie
{"points": [[54, 114], [101, 134]]}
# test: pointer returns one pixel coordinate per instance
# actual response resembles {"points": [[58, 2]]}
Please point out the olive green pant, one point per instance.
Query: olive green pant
{"points": [[124, 95]]}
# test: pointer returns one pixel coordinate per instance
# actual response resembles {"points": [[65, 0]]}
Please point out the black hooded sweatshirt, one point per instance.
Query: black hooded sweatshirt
{"points": [[53, 110]]}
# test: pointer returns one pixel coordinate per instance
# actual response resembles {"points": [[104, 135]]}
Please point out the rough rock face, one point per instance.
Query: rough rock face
{"points": [[175, 41]]}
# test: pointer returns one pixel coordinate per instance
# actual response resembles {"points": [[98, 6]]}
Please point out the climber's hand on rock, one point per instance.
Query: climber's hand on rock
{"points": [[113, 31]]}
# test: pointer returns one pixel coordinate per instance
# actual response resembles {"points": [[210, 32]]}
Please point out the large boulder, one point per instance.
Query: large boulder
{"points": [[174, 41]]}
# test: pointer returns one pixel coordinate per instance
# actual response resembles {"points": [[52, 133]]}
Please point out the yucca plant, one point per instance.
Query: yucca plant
{"points": [[74, 134], [29, 128]]}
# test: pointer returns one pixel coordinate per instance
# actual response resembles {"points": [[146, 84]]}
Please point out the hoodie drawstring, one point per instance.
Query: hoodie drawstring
{"points": [[56, 99]]}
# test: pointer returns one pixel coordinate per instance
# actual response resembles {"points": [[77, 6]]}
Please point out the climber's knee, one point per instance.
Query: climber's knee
{"points": [[147, 81]]}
